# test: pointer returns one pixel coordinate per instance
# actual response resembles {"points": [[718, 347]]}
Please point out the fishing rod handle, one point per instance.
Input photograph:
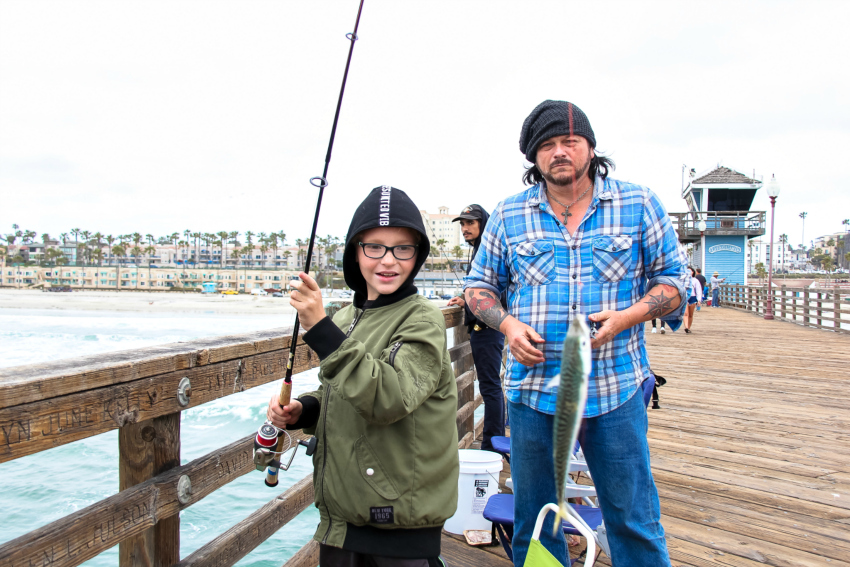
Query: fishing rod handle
{"points": [[285, 393]]}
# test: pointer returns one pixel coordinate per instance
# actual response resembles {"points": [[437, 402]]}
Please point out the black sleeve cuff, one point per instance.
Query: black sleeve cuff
{"points": [[309, 413], [324, 338]]}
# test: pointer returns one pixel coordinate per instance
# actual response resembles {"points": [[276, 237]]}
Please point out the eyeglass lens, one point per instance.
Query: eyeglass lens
{"points": [[378, 251]]}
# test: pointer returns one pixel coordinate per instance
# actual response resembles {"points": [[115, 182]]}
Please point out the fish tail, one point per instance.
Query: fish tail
{"points": [[561, 514]]}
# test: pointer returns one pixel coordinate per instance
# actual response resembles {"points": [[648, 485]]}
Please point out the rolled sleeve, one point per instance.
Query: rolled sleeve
{"points": [[665, 260]]}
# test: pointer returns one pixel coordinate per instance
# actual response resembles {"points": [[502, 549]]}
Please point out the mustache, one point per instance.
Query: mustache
{"points": [[561, 162]]}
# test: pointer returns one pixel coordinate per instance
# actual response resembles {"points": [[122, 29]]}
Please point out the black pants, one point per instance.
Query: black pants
{"points": [[336, 557], [487, 345]]}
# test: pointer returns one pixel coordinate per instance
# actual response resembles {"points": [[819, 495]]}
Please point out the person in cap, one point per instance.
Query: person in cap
{"points": [[715, 289], [486, 343], [579, 244], [385, 471]]}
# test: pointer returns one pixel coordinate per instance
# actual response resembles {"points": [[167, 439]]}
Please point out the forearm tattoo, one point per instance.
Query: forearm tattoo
{"points": [[486, 306], [660, 304]]}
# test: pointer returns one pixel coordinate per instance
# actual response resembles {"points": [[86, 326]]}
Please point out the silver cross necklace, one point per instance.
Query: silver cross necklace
{"points": [[567, 212]]}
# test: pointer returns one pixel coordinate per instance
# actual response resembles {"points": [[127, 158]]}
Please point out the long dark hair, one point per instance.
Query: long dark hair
{"points": [[598, 164]]}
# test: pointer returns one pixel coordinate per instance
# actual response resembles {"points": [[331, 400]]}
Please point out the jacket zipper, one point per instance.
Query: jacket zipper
{"points": [[354, 322], [393, 352]]}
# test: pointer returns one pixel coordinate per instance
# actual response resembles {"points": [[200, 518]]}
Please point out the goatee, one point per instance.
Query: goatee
{"points": [[567, 179]]}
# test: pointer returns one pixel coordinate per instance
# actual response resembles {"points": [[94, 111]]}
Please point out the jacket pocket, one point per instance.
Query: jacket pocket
{"points": [[612, 258], [372, 471], [536, 261]]}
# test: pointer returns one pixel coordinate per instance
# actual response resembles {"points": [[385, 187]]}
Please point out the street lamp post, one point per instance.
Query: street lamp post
{"points": [[772, 192], [701, 229]]}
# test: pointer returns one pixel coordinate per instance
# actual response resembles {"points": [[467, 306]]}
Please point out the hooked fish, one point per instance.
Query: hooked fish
{"points": [[569, 405]]}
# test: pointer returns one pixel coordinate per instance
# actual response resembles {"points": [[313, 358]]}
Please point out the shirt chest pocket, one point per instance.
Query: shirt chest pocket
{"points": [[536, 262], [612, 258]]}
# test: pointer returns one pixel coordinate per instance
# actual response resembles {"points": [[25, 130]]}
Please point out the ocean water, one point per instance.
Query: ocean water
{"points": [[42, 488]]}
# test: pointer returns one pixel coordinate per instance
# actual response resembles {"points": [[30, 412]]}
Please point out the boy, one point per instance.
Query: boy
{"points": [[386, 467]]}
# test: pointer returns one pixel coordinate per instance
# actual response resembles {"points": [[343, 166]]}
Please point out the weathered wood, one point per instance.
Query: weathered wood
{"points": [[145, 450], [80, 536], [36, 426], [29, 383], [463, 362], [307, 556], [465, 388], [234, 544]]}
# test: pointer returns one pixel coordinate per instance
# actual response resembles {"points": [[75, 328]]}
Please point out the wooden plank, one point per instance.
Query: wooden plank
{"points": [[145, 450], [307, 556], [40, 425], [29, 383], [80, 536], [234, 544]]}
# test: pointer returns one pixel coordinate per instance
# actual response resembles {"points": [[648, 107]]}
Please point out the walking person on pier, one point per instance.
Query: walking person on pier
{"points": [[715, 289], [694, 299], [486, 343], [573, 244], [702, 282]]}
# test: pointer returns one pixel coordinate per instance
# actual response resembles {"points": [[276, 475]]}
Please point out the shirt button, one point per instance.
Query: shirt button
{"points": [[574, 276], [574, 306], [370, 472], [574, 246]]}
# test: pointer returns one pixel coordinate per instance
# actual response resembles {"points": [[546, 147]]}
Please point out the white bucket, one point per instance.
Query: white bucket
{"points": [[478, 481]]}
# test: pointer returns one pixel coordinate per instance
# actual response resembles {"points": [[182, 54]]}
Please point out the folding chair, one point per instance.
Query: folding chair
{"points": [[585, 521]]}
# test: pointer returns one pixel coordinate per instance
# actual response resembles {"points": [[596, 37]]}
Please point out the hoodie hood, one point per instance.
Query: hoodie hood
{"points": [[384, 207], [482, 223]]}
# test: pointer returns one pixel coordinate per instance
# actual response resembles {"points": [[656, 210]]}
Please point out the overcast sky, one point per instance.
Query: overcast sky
{"points": [[162, 116]]}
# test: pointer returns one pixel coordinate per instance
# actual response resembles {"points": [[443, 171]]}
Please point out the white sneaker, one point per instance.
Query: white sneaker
{"points": [[663, 331], [653, 330]]}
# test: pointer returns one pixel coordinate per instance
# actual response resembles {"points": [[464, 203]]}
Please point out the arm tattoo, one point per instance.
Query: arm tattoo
{"points": [[486, 306], [660, 304]]}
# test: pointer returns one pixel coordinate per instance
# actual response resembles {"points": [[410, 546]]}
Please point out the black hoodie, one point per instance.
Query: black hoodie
{"points": [[469, 319], [390, 207]]}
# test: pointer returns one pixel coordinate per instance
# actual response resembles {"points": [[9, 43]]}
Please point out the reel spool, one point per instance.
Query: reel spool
{"points": [[267, 452]]}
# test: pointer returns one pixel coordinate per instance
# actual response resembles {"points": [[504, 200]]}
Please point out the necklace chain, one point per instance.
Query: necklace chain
{"points": [[567, 212]]}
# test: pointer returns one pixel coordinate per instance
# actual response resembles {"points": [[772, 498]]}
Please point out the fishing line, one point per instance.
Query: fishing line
{"points": [[319, 182]]}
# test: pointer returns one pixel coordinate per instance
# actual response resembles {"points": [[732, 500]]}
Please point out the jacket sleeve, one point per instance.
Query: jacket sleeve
{"points": [[383, 390]]}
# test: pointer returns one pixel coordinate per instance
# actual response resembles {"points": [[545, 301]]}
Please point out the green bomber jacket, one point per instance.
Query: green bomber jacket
{"points": [[387, 436]]}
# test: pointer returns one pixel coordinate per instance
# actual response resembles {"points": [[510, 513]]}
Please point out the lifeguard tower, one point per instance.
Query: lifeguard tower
{"points": [[719, 222]]}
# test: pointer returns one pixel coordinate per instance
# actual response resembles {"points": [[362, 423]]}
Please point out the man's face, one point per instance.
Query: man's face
{"points": [[564, 160], [470, 230]]}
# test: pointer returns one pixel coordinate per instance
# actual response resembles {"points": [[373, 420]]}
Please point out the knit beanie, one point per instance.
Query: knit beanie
{"points": [[553, 118]]}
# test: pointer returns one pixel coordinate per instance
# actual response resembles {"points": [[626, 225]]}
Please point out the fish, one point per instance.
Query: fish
{"points": [[572, 386]]}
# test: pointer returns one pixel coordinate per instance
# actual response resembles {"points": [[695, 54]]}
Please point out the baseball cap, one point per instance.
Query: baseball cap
{"points": [[471, 212]]}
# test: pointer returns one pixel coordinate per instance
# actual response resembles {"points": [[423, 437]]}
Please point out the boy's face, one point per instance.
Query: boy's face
{"points": [[385, 275]]}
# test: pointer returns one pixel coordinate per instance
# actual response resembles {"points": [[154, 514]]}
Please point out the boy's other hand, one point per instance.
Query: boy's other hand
{"points": [[306, 298], [283, 416], [457, 301]]}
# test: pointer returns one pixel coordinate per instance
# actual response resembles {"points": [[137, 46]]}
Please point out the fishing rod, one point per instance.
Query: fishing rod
{"points": [[269, 435]]}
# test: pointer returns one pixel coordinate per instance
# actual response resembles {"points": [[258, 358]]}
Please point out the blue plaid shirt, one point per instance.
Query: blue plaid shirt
{"points": [[624, 245]]}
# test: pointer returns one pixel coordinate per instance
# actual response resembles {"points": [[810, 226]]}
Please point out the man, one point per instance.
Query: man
{"points": [[487, 343], [715, 289], [701, 279], [579, 243]]}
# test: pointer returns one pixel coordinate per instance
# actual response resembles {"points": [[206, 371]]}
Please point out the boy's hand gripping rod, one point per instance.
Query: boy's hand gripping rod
{"points": [[264, 441]]}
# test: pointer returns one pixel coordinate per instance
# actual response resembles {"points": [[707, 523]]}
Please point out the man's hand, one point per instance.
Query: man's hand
{"points": [[613, 323], [457, 301], [306, 298], [283, 416], [520, 339]]}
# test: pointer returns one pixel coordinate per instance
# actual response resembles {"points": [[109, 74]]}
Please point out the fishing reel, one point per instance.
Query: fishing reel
{"points": [[271, 444]]}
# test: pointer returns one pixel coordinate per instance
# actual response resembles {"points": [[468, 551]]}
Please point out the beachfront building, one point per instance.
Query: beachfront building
{"points": [[719, 222], [441, 227]]}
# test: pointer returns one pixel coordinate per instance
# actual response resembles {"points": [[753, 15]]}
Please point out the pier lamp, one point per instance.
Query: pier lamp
{"points": [[772, 189], [701, 229]]}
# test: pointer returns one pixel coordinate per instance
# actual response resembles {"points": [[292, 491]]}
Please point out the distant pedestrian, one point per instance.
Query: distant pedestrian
{"points": [[486, 342], [694, 299], [715, 289], [662, 326], [701, 279]]}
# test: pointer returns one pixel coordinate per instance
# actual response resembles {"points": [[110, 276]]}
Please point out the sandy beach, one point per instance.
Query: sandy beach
{"points": [[151, 302]]}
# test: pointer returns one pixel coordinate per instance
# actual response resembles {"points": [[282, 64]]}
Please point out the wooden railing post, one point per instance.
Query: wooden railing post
{"points": [[819, 308], [145, 450], [806, 307], [782, 305], [463, 364]]}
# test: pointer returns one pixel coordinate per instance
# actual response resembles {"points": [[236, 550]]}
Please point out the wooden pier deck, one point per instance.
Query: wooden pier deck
{"points": [[751, 449]]}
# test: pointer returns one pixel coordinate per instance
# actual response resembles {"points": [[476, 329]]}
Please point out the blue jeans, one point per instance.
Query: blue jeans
{"points": [[715, 297], [617, 453], [487, 347]]}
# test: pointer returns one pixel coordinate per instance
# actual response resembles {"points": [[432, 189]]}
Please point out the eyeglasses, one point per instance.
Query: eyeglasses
{"points": [[378, 251]]}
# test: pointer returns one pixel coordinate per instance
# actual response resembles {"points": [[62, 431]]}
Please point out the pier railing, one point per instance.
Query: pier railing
{"points": [[822, 308], [142, 394]]}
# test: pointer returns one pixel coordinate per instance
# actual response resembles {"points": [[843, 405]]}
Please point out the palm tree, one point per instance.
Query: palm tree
{"points": [[299, 243], [118, 250], [76, 232], [149, 250], [136, 250]]}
